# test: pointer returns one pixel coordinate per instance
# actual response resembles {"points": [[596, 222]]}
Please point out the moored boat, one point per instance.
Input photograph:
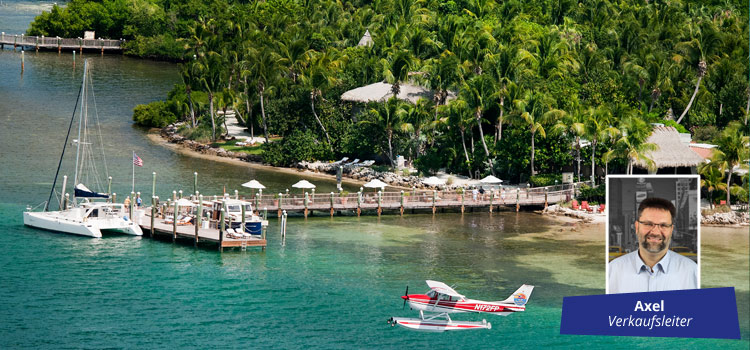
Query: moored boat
{"points": [[89, 212]]}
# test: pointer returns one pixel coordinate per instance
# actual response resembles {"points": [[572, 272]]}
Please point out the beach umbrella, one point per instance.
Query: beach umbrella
{"points": [[254, 184], [433, 181], [303, 184], [490, 180], [375, 183], [184, 203]]}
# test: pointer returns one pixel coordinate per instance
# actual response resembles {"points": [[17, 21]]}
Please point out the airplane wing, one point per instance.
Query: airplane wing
{"points": [[443, 288]]}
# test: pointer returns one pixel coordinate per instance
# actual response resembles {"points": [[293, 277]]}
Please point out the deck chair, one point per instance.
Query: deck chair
{"points": [[575, 204], [340, 161], [367, 163], [585, 205], [353, 163]]}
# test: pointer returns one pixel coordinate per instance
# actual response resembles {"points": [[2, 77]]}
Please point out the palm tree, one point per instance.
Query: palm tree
{"points": [[210, 73], [597, 128], [701, 49], [388, 117], [633, 134], [479, 95], [416, 117], [573, 124], [534, 113], [321, 75], [732, 150], [186, 73], [396, 68], [458, 115], [265, 67], [711, 179]]}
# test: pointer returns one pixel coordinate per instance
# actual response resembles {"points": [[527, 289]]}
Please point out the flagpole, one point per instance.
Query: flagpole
{"points": [[133, 161]]}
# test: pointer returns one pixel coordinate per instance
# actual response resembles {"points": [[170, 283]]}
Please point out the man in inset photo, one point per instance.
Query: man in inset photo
{"points": [[653, 266]]}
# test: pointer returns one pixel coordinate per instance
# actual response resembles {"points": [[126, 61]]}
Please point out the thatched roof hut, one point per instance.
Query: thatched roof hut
{"points": [[379, 92], [366, 39], [671, 152]]}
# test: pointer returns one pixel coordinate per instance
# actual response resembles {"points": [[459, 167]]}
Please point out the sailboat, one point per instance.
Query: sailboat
{"points": [[89, 212]]}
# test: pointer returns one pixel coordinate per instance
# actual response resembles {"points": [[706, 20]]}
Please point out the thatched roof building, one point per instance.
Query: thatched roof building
{"points": [[379, 92], [671, 152], [366, 39]]}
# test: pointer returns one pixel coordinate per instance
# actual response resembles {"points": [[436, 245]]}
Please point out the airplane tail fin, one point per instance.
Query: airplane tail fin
{"points": [[521, 296]]}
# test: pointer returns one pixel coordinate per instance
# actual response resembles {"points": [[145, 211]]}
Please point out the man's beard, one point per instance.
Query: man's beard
{"points": [[654, 247]]}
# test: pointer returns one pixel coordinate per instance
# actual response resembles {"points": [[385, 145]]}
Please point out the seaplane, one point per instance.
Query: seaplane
{"points": [[442, 300]]}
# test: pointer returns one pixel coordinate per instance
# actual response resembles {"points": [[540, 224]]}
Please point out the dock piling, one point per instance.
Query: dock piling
{"points": [[198, 217], [153, 215], [402, 203], [174, 221]]}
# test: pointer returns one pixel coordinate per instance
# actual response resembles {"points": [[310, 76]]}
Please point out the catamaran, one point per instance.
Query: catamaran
{"points": [[89, 212]]}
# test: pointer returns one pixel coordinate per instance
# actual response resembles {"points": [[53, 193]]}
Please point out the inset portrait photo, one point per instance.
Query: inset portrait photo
{"points": [[653, 233]]}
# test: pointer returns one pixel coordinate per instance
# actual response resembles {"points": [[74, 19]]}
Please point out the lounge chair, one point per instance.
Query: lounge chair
{"points": [[367, 163], [353, 163], [340, 161]]}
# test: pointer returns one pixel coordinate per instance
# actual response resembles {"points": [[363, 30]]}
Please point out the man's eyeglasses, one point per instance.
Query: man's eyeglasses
{"points": [[650, 225]]}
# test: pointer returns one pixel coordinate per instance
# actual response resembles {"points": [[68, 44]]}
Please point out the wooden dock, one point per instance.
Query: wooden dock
{"points": [[188, 232], [59, 44], [412, 201]]}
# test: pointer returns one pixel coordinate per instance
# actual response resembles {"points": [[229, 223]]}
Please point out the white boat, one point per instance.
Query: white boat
{"points": [[89, 212]]}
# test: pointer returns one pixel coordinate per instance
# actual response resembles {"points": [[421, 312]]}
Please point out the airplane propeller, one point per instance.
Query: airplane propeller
{"points": [[406, 297]]}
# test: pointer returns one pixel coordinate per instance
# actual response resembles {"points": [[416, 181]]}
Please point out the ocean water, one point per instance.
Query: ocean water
{"points": [[334, 282]]}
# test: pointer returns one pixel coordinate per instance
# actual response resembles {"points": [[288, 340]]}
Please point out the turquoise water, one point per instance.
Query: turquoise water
{"points": [[333, 284]]}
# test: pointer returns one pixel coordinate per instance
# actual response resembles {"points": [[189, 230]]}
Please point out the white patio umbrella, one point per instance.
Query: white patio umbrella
{"points": [[433, 181], [375, 183], [254, 184], [303, 184], [184, 202], [490, 180]]}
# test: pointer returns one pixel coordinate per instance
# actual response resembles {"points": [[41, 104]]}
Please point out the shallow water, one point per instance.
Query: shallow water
{"points": [[334, 283]]}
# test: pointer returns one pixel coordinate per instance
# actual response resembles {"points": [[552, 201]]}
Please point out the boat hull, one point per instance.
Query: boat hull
{"points": [[435, 325], [65, 222]]}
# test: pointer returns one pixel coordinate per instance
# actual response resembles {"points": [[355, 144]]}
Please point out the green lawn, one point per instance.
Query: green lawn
{"points": [[230, 146]]}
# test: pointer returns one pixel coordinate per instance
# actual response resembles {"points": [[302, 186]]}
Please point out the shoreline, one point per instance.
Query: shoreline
{"points": [[155, 137], [164, 137]]}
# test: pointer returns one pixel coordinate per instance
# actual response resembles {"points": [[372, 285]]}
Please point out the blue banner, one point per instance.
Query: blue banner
{"points": [[694, 313]]}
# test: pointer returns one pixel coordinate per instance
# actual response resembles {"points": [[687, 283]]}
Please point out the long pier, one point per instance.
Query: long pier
{"points": [[59, 44], [379, 202]]}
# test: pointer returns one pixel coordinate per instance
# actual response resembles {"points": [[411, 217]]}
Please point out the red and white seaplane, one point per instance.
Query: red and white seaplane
{"points": [[443, 300]]}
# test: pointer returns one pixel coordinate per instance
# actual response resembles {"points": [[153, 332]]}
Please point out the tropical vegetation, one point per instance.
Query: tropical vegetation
{"points": [[520, 88]]}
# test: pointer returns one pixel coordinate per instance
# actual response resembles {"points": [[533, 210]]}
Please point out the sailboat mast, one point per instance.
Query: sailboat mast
{"points": [[80, 123]]}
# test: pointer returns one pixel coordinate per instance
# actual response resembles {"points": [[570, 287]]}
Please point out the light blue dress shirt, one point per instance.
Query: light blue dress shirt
{"points": [[629, 274]]}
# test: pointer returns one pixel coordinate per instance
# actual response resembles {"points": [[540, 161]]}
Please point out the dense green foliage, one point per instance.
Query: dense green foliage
{"points": [[592, 194], [156, 114], [518, 85]]}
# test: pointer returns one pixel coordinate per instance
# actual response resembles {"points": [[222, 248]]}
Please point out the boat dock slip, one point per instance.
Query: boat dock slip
{"points": [[165, 228]]}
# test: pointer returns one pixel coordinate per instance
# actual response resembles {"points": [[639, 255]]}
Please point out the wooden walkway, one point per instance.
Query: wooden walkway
{"points": [[59, 44], [161, 228], [415, 200]]}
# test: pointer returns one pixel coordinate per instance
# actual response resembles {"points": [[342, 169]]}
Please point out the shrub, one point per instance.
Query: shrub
{"points": [[542, 180], [294, 148], [591, 194], [156, 114]]}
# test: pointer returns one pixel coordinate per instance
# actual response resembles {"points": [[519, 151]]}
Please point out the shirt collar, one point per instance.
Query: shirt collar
{"points": [[662, 264]]}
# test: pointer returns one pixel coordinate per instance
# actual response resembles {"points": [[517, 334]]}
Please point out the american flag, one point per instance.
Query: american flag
{"points": [[137, 160]]}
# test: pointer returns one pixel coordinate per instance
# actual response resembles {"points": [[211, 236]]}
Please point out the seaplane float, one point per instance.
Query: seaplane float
{"points": [[442, 300]]}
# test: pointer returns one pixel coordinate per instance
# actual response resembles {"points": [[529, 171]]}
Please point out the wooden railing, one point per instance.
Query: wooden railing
{"points": [[59, 43], [410, 199]]}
